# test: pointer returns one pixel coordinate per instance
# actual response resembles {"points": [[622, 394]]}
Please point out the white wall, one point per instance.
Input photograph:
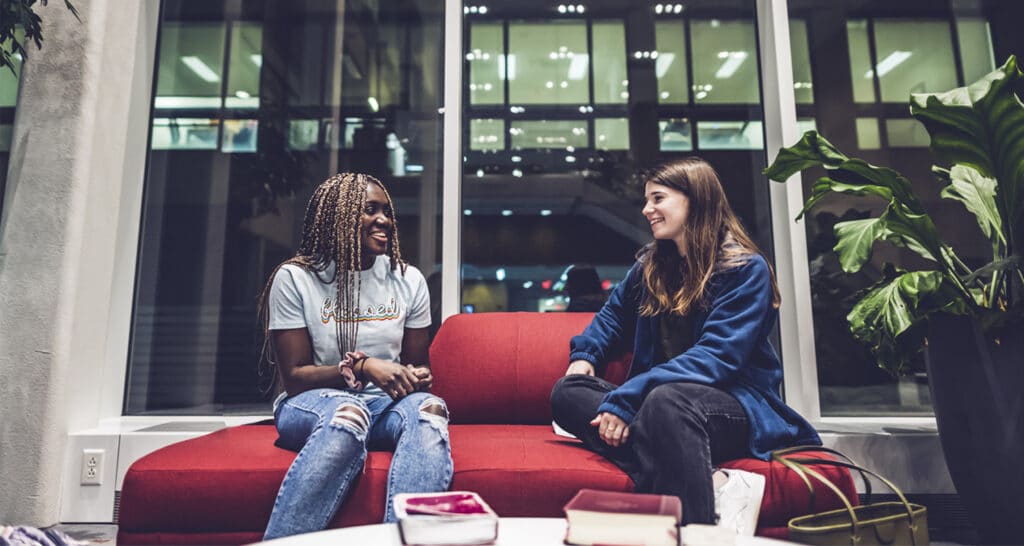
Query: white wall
{"points": [[67, 240]]}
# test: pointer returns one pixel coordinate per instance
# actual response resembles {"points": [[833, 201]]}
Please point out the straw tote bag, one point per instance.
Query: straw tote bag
{"points": [[880, 523]]}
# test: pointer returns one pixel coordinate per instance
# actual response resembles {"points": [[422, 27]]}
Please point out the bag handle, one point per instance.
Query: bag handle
{"points": [[799, 465], [822, 449]]}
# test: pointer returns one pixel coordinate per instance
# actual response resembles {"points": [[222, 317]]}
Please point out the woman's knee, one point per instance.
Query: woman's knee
{"points": [[350, 415], [671, 405], [563, 394]]}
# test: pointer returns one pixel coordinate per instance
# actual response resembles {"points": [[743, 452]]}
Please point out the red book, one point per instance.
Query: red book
{"points": [[634, 519]]}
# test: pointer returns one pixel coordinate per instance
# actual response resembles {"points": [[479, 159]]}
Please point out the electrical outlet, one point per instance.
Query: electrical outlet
{"points": [[92, 466]]}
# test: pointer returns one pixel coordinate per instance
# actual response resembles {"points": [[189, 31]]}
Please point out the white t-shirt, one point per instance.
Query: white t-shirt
{"points": [[388, 304]]}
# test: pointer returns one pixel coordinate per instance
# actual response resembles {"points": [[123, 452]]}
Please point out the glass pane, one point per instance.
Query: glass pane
{"points": [[730, 135], [676, 135], [487, 69], [303, 134], [670, 66], [557, 57], [860, 60], [724, 62], [609, 40], [239, 135], [8, 79], [548, 134], [906, 133], [913, 57], [486, 134], [611, 133], [802, 82], [868, 137], [6, 132], [244, 69], [191, 65], [975, 48], [803, 125], [225, 197], [185, 134]]}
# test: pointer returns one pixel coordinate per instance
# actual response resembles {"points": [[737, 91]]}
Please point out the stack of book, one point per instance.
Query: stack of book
{"points": [[452, 517], [606, 517]]}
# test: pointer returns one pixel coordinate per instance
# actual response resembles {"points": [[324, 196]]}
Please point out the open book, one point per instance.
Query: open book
{"points": [[451, 517]]}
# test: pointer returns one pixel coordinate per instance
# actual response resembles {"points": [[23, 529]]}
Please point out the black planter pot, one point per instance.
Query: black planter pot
{"points": [[978, 393]]}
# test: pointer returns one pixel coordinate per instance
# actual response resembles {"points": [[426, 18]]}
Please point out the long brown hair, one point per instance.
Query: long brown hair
{"points": [[715, 241], [331, 235]]}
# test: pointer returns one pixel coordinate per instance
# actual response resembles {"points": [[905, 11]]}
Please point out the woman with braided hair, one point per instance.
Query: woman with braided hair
{"points": [[345, 323]]}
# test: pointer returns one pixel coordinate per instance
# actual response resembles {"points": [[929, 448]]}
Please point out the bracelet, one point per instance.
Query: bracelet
{"points": [[362, 366]]}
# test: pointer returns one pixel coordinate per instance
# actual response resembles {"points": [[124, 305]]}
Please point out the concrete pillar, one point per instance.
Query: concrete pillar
{"points": [[67, 240]]}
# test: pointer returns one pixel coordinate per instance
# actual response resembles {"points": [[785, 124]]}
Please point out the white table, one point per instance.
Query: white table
{"points": [[511, 532]]}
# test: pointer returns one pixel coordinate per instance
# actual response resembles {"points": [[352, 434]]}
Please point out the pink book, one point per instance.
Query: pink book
{"points": [[451, 517]]}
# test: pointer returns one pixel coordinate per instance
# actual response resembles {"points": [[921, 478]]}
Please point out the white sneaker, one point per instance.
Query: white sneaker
{"points": [[738, 501]]}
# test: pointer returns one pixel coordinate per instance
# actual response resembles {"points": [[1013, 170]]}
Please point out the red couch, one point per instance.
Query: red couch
{"points": [[495, 371]]}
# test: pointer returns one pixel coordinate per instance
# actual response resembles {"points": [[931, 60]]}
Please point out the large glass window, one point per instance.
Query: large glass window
{"points": [[8, 101], [255, 104], [594, 98], [860, 103]]}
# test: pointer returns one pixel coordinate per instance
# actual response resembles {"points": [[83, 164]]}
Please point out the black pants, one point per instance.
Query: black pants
{"points": [[680, 432]]}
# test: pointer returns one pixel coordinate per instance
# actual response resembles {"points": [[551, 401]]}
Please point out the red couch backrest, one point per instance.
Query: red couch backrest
{"points": [[498, 368]]}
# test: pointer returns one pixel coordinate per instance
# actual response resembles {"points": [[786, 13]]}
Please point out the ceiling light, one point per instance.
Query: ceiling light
{"points": [[242, 94], [658, 8], [578, 67], [467, 212], [518, 173], [561, 8], [527, 284], [500, 274], [887, 64], [731, 64], [256, 59], [506, 212], [374, 105], [200, 68], [661, 65], [545, 212], [483, 10]]}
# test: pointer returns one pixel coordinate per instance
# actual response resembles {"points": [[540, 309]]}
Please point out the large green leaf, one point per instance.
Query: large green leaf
{"points": [[981, 126], [889, 319], [855, 239], [914, 231], [845, 175], [812, 150], [978, 193]]}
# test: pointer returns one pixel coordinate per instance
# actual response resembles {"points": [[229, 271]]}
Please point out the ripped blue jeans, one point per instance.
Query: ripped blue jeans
{"points": [[331, 429]]}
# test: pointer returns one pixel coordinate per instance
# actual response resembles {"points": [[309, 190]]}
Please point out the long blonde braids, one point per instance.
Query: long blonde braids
{"points": [[331, 234]]}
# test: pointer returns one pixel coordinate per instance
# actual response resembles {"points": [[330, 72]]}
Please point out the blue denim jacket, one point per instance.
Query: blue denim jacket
{"points": [[732, 352]]}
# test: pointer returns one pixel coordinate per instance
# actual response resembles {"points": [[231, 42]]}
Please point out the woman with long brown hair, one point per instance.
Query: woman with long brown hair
{"points": [[346, 324], [696, 311]]}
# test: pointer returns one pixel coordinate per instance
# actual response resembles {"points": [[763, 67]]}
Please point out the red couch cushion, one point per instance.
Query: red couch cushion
{"points": [[220, 488], [498, 368]]}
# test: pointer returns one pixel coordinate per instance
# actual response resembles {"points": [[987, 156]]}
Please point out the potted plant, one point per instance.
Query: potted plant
{"points": [[969, 320]]}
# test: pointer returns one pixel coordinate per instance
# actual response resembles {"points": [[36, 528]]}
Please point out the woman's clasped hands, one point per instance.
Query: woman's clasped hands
{"points": [[395, 379]]}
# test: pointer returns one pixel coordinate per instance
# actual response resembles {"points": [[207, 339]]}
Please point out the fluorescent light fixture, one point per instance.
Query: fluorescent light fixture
{"points": [[518, 173], [467, 212], [187, 102], [500, 274], [373, 104], [527, 284], [887, 64], [578, 67], [200, 68], [414, 168], [256, 59], [661, 65], [511, 67], [545, 212], [506, 212], [242, 94], [731, 64]]}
